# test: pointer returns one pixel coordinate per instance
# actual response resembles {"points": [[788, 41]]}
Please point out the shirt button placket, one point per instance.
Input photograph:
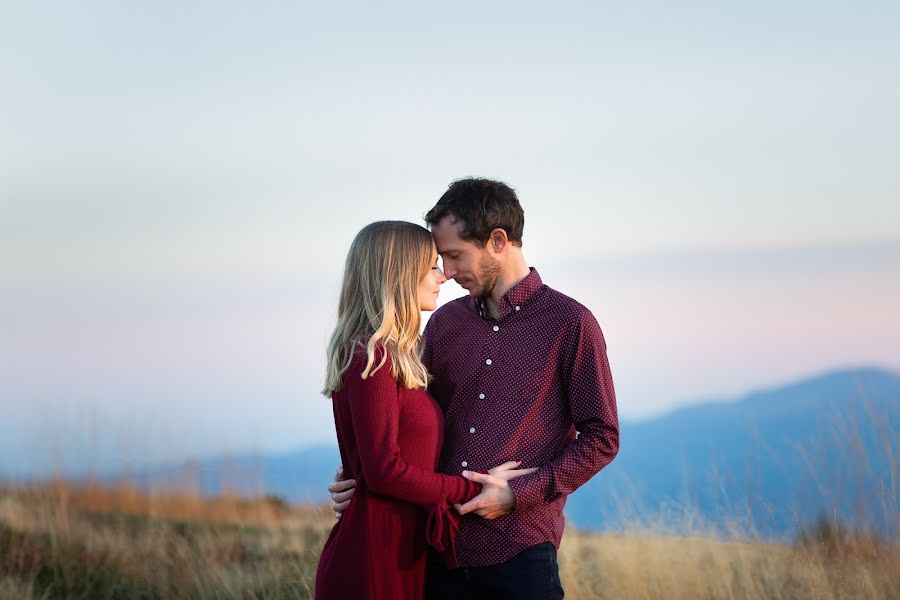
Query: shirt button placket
{"points": [[491, 349]]}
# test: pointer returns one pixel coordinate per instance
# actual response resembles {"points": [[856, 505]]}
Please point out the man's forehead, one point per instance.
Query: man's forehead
{"points": [[443, 246], [446, 236]]}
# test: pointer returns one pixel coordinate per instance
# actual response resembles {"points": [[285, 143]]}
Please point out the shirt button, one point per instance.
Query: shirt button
{"points": [[465, 463], [471, 430], [481, 396], [518, 308], [496, 328], [489, 362]]}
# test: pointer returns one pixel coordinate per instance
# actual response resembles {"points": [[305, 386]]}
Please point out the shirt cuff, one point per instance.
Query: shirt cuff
{"points": [[530, 490]]}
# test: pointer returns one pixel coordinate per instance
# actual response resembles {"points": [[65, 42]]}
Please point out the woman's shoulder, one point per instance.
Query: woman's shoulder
{"points": [[360, 357], [360, 350]]}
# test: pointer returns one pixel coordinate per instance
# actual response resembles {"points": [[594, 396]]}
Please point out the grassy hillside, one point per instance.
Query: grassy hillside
{"points": [[63, 541]]}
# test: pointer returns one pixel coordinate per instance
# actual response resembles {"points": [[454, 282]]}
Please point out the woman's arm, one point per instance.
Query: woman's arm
{"points": [[375, 413]]}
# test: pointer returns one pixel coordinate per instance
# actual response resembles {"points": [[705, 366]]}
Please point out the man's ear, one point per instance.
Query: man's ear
{"points": [[498, 240]]}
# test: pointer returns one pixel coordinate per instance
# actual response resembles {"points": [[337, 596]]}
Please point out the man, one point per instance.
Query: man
{"points": [[518, 369]]}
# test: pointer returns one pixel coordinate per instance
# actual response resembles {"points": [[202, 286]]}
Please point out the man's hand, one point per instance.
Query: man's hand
{"points": [[496, 498], [341, 491]]}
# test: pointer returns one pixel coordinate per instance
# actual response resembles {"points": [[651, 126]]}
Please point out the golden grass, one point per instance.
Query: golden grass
{"points": [[94, 542], [648, 566], [128, 499]]}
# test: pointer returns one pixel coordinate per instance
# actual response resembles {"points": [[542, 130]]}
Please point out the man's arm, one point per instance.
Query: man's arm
{"points": [[592, 404]]}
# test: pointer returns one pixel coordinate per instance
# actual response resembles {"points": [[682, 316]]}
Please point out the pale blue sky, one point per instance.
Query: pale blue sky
{"points": [[179, 184]]}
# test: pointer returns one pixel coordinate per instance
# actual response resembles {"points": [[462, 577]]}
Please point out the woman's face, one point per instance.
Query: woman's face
{"points": [[430, 285]]}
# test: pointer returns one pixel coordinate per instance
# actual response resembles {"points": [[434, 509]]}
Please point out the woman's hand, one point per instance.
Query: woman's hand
{"points": [[496, 498]]}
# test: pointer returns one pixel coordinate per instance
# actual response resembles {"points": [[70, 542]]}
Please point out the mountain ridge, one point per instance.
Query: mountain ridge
{"points": [[759, 460]]}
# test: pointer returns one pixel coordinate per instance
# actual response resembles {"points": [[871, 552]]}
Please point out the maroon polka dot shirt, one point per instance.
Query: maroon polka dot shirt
{"points": [[519, 388]]}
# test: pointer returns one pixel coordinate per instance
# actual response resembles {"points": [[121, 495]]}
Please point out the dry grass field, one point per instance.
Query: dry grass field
{"points": [[91, 542]]}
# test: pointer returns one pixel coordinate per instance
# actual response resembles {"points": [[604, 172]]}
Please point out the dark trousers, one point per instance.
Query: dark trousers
{"points": [[530, 574]]}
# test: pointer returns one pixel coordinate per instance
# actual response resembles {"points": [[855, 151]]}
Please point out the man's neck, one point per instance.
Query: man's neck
{"points": [[512, 274]]}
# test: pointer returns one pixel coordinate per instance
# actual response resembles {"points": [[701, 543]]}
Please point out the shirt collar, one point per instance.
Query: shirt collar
{"points": [[516, 297]]}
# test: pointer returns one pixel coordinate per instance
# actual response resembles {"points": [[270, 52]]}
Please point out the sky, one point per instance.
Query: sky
{"points": [[179, 185]]}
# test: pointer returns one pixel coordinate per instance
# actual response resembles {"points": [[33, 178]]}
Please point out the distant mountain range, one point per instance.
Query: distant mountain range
{"points": [[771, 460]]}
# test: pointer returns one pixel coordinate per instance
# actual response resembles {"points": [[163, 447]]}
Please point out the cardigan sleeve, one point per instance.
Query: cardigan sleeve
{"points": [[375, 414]]}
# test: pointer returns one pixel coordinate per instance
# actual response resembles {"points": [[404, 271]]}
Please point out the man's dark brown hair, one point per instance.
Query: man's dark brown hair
{"points": [[482, 205]]}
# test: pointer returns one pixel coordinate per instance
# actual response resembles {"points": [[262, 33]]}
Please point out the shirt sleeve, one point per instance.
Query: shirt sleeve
{"points": [[592, 403], [374, 411]]}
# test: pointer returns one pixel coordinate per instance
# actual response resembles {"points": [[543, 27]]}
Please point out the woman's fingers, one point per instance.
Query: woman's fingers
{"points": [[477, 477], [509, 471], [511, 464], [513, 473]]}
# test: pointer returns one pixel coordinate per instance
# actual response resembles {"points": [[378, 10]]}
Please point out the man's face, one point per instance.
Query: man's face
{"points": [[467, 263]]}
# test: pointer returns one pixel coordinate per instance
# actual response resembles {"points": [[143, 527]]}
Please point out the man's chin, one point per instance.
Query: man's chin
{"points": [[473, 289]]}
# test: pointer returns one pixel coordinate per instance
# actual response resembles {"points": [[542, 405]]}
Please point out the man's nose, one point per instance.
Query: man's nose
{"points": [[449, 271]]}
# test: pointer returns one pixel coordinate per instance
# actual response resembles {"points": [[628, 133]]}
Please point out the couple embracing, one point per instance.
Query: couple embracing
{"points": [[459, 446]]}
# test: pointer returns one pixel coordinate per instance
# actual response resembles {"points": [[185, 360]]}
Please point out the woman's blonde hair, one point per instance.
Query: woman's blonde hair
{"points": [[379, 303]]}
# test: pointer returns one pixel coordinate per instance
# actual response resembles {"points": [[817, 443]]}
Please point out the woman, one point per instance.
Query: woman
{"points": [[389, 428]]}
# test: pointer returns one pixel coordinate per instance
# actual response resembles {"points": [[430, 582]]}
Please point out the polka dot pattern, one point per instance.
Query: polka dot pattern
{"points": [[533, 385]]}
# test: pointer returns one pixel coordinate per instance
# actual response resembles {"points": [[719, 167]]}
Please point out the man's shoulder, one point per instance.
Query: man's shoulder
{"points": [[568, 306], [579, 325]]}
